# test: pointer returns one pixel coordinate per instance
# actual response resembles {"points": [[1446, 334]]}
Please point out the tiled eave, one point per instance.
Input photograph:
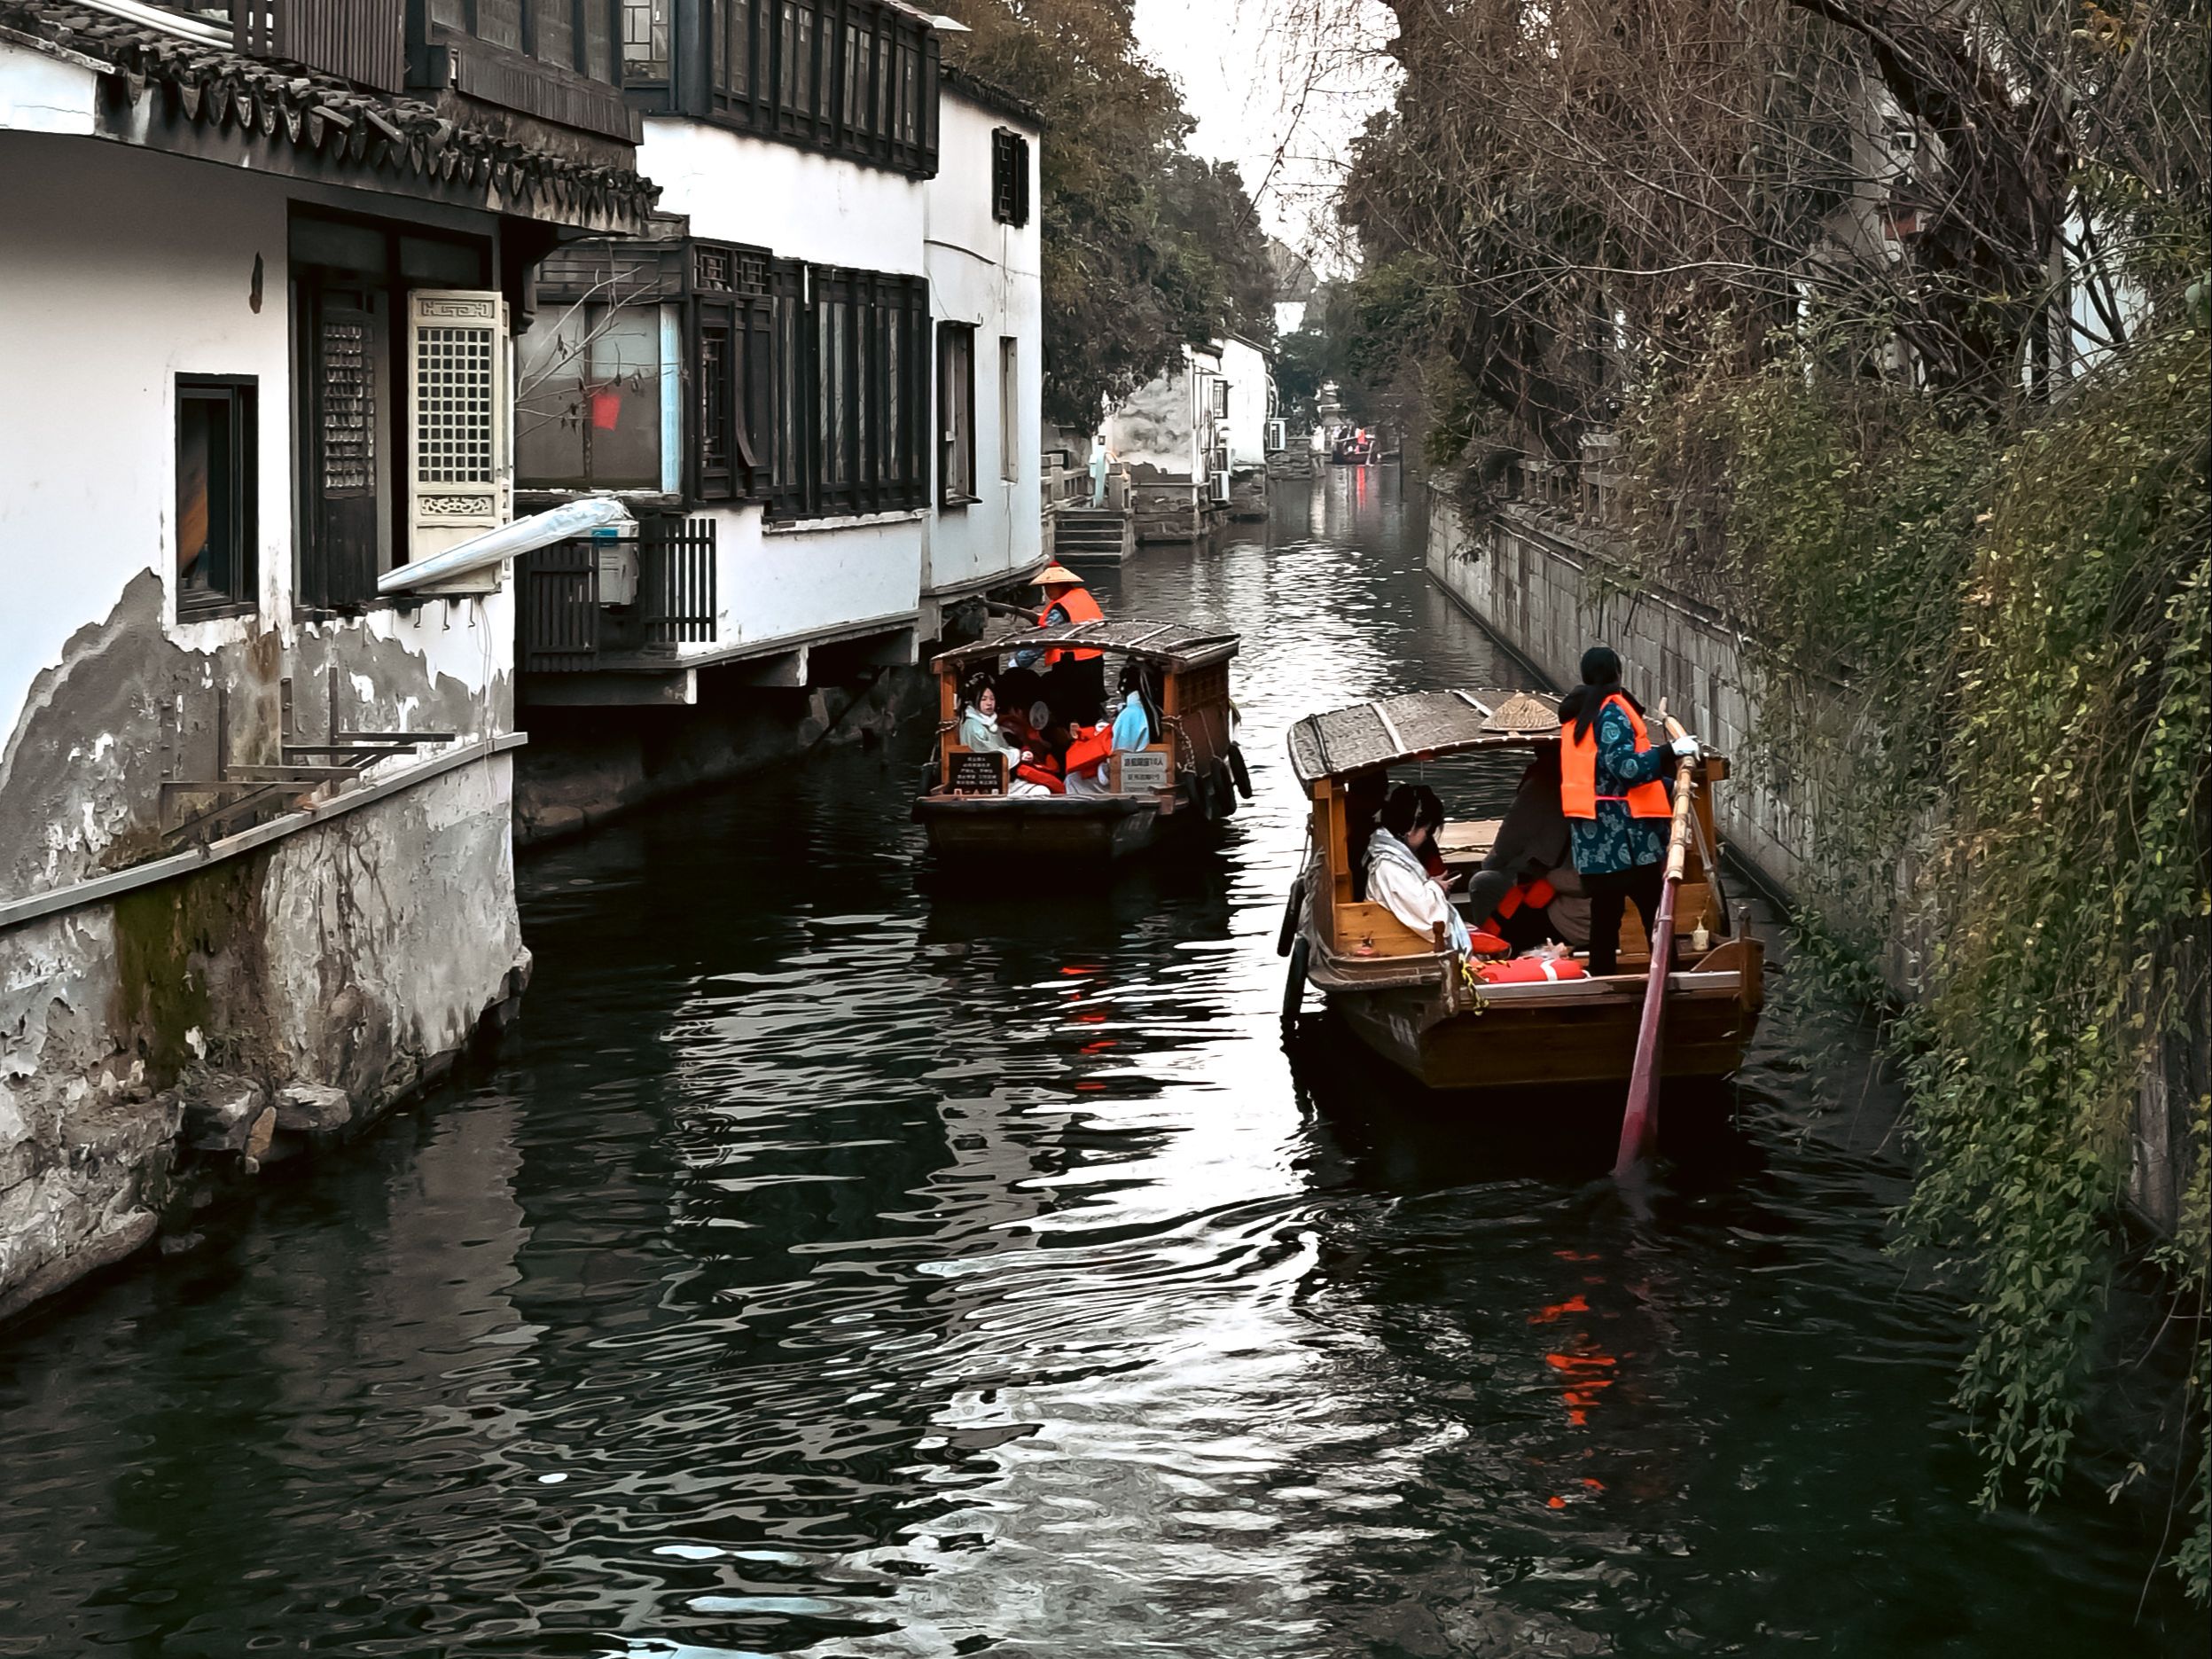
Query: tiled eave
{"points": [[178, 95]]}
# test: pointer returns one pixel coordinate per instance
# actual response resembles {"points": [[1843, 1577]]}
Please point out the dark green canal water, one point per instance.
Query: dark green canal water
{"points": [[833, 1265]]}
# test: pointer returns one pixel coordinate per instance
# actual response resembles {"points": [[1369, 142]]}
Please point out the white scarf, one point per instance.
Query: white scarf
{"points": [[1383, 844], [1385, 848]]}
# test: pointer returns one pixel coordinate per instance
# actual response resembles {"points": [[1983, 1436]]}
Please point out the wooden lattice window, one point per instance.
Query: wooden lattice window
{"points": [[347, 400], [458, 478], [732, 323]]}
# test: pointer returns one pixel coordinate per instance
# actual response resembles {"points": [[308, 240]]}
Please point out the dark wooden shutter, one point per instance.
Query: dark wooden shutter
{"points": [[792, 334], [757, 402], [719, 342], [341, 569]]}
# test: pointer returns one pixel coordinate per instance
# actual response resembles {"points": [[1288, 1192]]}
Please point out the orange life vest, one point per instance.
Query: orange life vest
{"points": [[1088, 748], [1578, 770], [1539, 893], [1080, 607], [1037, 775], [1481, 943]]}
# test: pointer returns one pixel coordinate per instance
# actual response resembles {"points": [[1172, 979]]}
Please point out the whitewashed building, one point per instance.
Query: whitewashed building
{"points": [[255, 874], [818, 383], [1193, 441]]}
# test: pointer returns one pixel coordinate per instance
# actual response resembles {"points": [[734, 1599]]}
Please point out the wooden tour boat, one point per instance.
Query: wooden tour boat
{"points": [[1412, 999], [1192, 775]]}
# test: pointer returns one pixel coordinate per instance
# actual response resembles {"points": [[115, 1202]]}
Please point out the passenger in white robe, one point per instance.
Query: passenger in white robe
{"points": [[1396, 879]]}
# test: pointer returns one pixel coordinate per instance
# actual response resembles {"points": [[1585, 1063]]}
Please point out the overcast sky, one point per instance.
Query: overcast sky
{"points": [[1245, 68]]}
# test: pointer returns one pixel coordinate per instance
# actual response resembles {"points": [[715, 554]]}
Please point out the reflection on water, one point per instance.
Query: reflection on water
{"points": [[838, 1263]]}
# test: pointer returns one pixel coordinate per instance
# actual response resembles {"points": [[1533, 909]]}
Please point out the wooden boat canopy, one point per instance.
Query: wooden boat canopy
{"points": [[1420, 725], [1177, 646]]}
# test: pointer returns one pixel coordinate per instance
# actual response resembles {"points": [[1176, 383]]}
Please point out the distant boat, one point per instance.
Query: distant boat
{"points": [[1353, 446], [1425, 1009], [1193, 775]]}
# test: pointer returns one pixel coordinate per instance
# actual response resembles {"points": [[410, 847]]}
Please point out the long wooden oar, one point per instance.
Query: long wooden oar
{"points": [[1639, 1122]]}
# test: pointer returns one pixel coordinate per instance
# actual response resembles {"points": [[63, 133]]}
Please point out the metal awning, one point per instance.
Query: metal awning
{"points": [[1418, 725], [1177, 645]]}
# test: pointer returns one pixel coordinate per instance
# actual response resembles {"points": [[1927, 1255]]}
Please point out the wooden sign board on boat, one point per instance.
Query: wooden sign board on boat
{"points": [[1142, 771], [976, 773]]}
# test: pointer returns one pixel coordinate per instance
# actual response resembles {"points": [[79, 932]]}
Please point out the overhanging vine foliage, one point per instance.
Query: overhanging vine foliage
{"points": [[2012, 613], [2074, 881]]}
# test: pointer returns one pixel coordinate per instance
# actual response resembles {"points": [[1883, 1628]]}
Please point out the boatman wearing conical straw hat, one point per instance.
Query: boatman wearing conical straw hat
{"points": [[1074, 682]]}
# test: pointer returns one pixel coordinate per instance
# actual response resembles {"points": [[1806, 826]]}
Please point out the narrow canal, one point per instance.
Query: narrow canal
{"points": [[836, 1266]]}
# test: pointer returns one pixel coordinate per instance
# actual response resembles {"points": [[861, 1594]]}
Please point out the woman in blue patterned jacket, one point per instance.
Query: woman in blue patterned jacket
{"points": [[1617, 807]]}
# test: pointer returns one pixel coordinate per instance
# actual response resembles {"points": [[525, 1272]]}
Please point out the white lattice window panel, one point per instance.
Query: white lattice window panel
{"points": [[459, 394], [453, 397]]}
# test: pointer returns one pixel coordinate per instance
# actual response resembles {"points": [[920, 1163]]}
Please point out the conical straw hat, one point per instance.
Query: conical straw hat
{"points": [[1523, 712]]}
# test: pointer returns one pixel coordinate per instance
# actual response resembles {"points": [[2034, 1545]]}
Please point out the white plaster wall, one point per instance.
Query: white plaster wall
{"points": [[786, 582], [105, 309], [801, 206], [822, 576], [988, 275], [1244, 366], [41, 93], [119, 271]]}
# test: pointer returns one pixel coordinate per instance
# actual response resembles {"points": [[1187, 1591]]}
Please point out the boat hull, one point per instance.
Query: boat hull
{"points": [[998, 829], [1589, 1041]]}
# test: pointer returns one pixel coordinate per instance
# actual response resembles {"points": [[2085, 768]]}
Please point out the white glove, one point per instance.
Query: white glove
{"points": [[1686, 747]]}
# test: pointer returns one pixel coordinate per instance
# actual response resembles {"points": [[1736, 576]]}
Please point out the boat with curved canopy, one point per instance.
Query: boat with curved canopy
{"points": [[1437, 1015], [1194, 773]]}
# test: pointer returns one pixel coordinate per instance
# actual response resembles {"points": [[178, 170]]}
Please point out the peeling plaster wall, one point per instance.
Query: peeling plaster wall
{"points": [[120, 272], [1157, 432], [360, 951]]}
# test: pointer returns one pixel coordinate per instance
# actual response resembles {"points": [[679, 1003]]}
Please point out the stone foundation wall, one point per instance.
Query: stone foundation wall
{"points": [[180, 1035], [585, 765]]}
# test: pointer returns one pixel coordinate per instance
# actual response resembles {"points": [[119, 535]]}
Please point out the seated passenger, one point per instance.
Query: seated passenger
{"points": [[1040, 759], [1395, 878], [1137, 725], [1526, 892], [980, 731], [1529, 907], [1018, 688]]}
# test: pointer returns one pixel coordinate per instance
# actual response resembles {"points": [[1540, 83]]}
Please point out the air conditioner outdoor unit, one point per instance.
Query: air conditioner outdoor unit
{"points": [[1220, 488], [614, 548]]}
